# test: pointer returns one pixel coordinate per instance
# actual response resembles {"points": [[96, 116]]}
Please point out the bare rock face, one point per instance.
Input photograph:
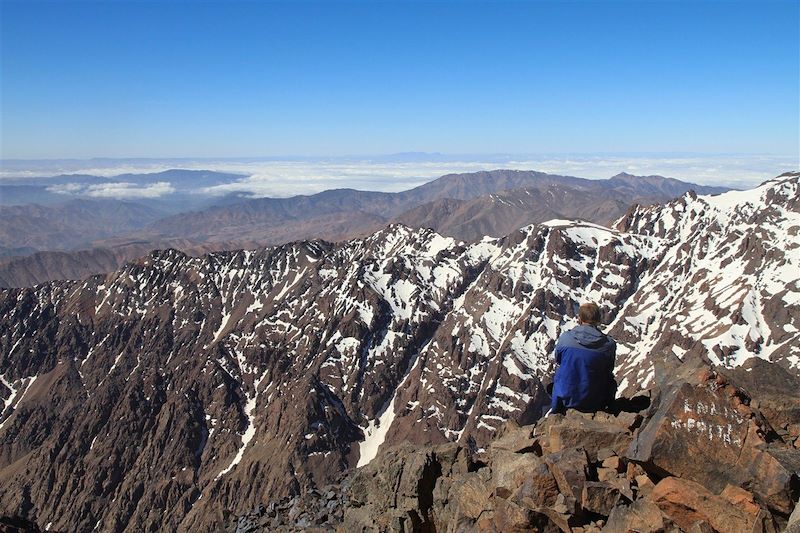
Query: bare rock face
{"points": [[688, 504], [524, 480], [400, 491], [794, 521], [778, 395], [179, 392], [642, 516], [16, 524], [503, 212], [596, 432], [703, 428]]}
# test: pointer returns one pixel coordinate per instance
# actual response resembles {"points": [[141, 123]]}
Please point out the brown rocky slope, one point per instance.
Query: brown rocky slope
{"points": [[693, 454]]}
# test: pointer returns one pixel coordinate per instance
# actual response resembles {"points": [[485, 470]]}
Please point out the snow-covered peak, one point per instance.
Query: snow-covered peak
{"points": [[775, 203], [727, 285], [559, 223], [768, 194]]}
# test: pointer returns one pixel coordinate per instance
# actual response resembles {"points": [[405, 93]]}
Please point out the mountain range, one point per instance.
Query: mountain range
{"points": [[178, 391], [94, 236], [71, 224]]}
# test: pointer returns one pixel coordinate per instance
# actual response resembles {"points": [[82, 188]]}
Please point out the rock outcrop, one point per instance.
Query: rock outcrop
{"points": [[698, 458]]}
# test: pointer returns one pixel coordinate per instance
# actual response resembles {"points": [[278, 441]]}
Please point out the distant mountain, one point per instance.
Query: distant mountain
{"points": [[474, 184], [70, 224], [263, 213], [207, 386], [27, 267], [40, 267], [471, 185], [6, 252], [501, 213], [465, 206], [60, 179], [658, 186], [264, 217], [11, 194]]}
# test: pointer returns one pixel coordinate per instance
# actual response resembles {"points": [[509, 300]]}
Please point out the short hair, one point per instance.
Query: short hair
{"points": [[589, 313]]}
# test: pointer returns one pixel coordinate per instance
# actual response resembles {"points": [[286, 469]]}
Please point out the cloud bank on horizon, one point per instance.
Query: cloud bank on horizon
{"points": [[288, 177], [117, 190]]}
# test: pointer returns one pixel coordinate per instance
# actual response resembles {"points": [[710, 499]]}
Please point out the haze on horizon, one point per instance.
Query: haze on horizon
{"points": [[283, 177], [239, 80]]}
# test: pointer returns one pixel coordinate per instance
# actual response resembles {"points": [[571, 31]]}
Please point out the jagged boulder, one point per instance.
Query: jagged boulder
{"points": [[686, 503], [570, 468], [646, 470], [642, 516], [591, 431], [599, 497], [794, 521], [396, 491], [517, 439], [775, 389], [511, 470], [701, 427]]}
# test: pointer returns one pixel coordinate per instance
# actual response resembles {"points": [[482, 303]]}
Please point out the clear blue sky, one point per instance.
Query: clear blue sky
{"points": [[175, 79]]}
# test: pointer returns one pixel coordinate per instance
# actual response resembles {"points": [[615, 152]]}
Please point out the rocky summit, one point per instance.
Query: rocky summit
{"points": [[179, 393], [691, 454]]}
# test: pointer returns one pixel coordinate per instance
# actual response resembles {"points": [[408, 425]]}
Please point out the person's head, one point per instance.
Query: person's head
{"points": [[589, 314]]}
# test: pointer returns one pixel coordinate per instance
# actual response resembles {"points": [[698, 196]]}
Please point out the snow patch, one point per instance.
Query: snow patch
{"points": [[250, 432]]}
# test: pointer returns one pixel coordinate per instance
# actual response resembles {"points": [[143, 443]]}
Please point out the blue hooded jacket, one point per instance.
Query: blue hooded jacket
{"points": [[584, 379]]}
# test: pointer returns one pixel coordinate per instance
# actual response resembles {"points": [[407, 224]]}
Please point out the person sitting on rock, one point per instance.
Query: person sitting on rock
{"points": [[584, 379]]}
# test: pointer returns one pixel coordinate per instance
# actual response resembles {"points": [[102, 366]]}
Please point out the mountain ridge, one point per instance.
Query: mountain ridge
{"points": [[215, 380], [341, 214]]}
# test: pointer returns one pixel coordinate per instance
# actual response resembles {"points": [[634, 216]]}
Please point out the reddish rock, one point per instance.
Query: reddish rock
{"points": [[687, 503], [599, 497], [510, 470], [508, 516], [614, 463], [741, 498], [592, 431], [793, 526], [473, 497], [624, 487], [777, 390], [641, 516], [604, 453], [405, 484], [701, 429], [560, 520], [632, 470], [539, 489], [516, 439], [606, 474], [569, 468], [644, 485]]}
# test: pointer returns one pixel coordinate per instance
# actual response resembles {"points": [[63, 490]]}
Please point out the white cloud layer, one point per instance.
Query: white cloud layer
{"points": [[119, 191], [278, 178]]}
